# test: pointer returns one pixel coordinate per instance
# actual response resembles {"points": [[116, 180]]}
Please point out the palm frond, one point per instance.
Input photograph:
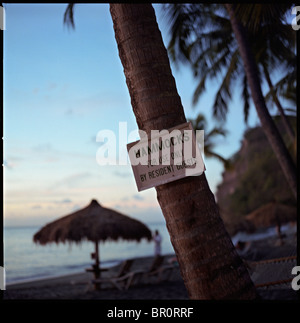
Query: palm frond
{"points": [[223, 95], [200, 123], [293, 111], [210, 154], [211, 71], [285, 87], [246, 98], [69, 15], [217, 131], [202, 37], [253, 16], [199, 90]]}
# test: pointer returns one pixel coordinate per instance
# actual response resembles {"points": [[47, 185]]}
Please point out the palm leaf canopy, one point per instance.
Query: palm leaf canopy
{"points": [[202, 37], [272, 214], [93, 223]]}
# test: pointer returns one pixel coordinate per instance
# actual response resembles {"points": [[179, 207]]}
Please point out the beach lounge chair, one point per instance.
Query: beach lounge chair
{"points": [[159, 271], [118, 281], [156, 270]]}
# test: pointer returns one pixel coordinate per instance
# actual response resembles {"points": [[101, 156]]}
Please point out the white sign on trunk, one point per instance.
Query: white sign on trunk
{"points": [[167, 156]]}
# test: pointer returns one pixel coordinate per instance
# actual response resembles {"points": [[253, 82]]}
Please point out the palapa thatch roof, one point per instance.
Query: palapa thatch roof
{"points": [[272, 214], [94, 223]]}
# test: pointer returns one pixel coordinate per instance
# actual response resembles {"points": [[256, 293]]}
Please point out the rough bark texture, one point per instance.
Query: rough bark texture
{"points": [[209, 264], [265, 118]]}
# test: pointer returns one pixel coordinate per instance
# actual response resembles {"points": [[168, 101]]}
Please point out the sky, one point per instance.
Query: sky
{"points": [[63, 86]]}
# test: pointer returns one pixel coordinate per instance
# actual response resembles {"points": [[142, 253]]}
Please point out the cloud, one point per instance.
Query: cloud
{"points": [[83, 106], [121, 174], [148, 214], [71, 181], [36, 90], [64, 87], [138, 197], [64, 201], [69, 112], [36, 207], [11, 162], [51, 154], [42, 148], [76, 207], [51, 86], [46, 152], [51, 159], [99, 143], [8, 165]]}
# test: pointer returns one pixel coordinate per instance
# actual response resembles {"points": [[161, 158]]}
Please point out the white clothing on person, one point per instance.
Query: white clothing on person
{"points": [[157, 248]]}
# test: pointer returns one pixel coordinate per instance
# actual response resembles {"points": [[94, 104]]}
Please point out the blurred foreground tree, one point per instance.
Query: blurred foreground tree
{"points": [[209, 263]]}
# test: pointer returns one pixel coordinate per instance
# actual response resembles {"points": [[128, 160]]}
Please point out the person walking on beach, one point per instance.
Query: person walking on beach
{"points": [[157, 243]]}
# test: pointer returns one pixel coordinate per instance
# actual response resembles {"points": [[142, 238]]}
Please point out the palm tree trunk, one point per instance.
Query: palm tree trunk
{"points": [[209, 263], [285, 120], [266, 120]]}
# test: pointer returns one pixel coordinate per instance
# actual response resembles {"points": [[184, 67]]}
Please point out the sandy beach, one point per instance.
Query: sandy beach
{"points": [[78, 286]]}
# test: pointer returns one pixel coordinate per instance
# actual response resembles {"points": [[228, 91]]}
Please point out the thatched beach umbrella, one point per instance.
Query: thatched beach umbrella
{"points": [[94, 223], [272, 214]]}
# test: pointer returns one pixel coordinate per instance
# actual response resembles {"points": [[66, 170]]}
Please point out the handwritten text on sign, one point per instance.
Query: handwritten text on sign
{"points": [[167, 156]]}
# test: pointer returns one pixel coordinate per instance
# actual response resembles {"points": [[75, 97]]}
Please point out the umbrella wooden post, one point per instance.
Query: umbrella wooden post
{"points": [[97, 272], [97, 254]]}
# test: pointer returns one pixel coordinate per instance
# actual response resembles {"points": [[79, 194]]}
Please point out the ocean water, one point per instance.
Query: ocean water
{"points": [[24, 260]]}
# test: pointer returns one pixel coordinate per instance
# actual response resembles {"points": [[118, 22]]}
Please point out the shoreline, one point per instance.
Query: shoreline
{"points": [[79, 275], [61, 275], [79, 285], [42, 278], [267, 234]]}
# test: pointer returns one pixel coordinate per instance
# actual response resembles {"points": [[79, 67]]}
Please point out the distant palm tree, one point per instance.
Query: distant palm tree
{"points": [[276, 53], [274, 45], [267, 123], [203, 35], [213, 53], [277, 102], [200, 123]]}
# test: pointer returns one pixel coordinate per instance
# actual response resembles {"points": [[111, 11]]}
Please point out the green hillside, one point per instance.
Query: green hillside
{"points": [[255, 177]]}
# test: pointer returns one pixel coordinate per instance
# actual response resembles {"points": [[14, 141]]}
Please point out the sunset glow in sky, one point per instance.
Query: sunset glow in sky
{"points": [[61, 87]]}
